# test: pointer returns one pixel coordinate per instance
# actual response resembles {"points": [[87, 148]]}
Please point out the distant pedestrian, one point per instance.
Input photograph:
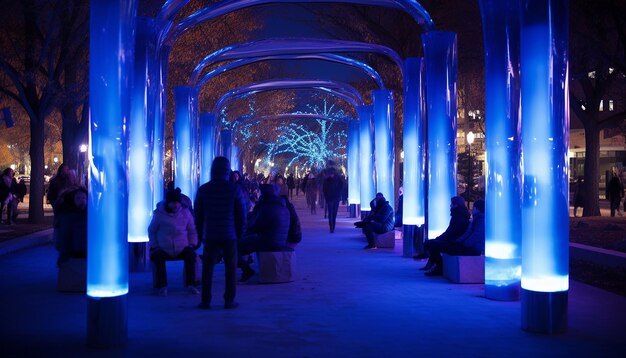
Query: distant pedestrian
{"points": [[8, 197], [332, 194], [615, 192], [579, 196], [291, 184], [60, 181]]}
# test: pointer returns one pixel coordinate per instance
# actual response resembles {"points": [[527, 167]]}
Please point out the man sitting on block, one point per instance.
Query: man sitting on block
{"points": [[471, 243], [380, 221]]}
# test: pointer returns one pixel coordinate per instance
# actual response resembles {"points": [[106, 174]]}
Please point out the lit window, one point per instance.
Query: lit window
{"points": [[601, 105], [592, 74], [610, 105]]}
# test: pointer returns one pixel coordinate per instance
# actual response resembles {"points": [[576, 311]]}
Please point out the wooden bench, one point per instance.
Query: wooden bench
{"points": [[386, 240], [276, 266], [72, 276], [464, 269]]}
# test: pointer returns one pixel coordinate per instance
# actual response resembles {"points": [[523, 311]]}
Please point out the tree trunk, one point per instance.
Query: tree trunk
{"points": [[35, 205], [592, 177]]}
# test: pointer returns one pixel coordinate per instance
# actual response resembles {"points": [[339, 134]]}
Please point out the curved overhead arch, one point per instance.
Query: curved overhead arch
{"points": [[290, 115], [291, 46], [411, 7], [342, 90], [372, 73]]}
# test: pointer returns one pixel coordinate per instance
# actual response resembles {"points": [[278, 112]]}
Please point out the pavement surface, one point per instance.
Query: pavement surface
{"points": [[346, 302]]}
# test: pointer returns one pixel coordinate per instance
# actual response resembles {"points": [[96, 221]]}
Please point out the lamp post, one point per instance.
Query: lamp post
{"points": [[470, 140]]}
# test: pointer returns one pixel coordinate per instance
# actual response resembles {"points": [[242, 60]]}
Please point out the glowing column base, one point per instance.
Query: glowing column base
{"points": [[502, 278], [365, 213], [544, 312], [107, 321], [412, 240], [353, 209], [138, 256]]}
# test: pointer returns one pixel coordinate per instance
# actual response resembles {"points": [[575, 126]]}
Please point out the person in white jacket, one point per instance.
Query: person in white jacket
{"points": [[173, 236]]}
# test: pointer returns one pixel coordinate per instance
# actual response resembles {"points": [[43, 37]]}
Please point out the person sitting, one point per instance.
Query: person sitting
{"points": [[70, 224], [471, 243], [173, 236], [380, 220], [459, 221], [268, 228]]}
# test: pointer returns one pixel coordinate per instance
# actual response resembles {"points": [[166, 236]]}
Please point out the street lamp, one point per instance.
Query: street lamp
{"points": [[470, 140]]}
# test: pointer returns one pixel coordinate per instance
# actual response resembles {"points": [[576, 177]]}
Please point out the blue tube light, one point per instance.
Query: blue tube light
{"points": [[111, 45], [414, 143], [184, 144], [159, 126], [226, 143], [545, 130], [384, 148], [207, 145], [234, 158], [354, 183], [503, 194], [366, 157], [141, 130], [440, 55]]}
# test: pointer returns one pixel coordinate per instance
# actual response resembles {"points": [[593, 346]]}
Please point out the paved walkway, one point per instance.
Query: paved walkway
{"points": [[347, 302]]}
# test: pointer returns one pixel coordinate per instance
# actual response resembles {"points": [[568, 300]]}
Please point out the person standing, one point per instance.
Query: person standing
{"points": [[579, 195], [615, 192], [220, 217], [332, 194], [311, 192], [8, 198], [291, 184]]}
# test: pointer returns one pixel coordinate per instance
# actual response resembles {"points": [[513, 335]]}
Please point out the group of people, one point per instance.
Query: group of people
{"points": [[12, 193], [228, 222]]}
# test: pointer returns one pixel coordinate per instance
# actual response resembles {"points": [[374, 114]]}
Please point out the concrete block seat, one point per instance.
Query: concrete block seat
{"points": [[386, 240], [276, 266], [72, 276], [464, 269]]}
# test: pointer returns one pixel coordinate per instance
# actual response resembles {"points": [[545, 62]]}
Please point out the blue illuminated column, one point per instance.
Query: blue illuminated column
{"points": [[159, 126], [141, 131], [226, 143], [354, 183], [414, 143], [111, 46], [234, 158], [383, 137], [545, 131], [184, 144], [503, 196], [207, 145], [440, 55], [366, 158]]}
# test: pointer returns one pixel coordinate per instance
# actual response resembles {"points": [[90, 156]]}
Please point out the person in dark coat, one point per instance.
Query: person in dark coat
{"points": [[294, 236], [380, 220], [268, 228], [579, 195], [332, 188], [220, 219], [311, 192], [60, 181], [291, 184], [8, 197], [459, 221], [471, 243], [615, 192], [70, 224]]}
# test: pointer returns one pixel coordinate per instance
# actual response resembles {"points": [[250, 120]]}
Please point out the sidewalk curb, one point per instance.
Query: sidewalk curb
{"points": [[27, 241], [598, 256]]}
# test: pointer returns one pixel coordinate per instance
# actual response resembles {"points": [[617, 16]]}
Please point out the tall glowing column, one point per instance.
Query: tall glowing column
{"points": [[158, 149], [184, 145], [226, 143], [140, 143], [440, 55], [354, 183], [366, 158], [414, 143], [207, 145], [111, 44], [545, 132], [384, 148], [503, 196], [234, 158]]}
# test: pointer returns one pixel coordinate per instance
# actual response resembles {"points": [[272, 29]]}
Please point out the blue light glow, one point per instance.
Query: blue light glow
{"points": [[184, 144], [545, 128], [207, 145], [413, 142], [440, 55], [226, 143], [503, 196], [354, 182], [111, 45], [384, 144], [141, 130], [159, 126], [366, 157]]}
